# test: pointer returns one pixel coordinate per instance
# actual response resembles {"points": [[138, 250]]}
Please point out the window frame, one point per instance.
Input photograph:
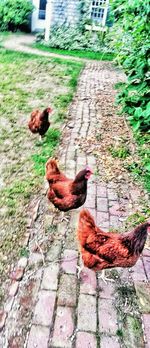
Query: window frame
{"points": [[104, 6]]}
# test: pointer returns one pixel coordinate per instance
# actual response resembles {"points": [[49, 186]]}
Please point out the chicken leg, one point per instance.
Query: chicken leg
{"points": [[105, 279], [80, 268]]}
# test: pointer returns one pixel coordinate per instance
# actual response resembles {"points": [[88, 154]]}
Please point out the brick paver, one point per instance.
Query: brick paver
{"points": [[107, 341], [50, 277], [63, 328], [87, 309], [107, 316], [44, 308], [86, 340], [38, 337], [67, 290], [50, 305]]}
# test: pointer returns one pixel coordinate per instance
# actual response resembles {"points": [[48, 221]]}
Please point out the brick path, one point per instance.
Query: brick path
{"points": [[52, 308]]}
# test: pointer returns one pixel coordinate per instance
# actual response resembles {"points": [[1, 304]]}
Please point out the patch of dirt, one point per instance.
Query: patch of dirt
{"points": [[110, 136]]}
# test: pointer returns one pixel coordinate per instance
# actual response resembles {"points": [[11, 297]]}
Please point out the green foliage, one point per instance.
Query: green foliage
{"points": [[74, 38], [135, 219], [120, 152], [14, 14], [132, 44], [84, 10], [24, 252]]}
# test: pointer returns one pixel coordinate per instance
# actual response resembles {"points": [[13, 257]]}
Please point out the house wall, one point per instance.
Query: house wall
{"points": [[64, 11]]}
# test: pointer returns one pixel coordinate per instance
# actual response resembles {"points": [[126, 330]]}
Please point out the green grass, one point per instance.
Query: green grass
{"points": [[77, 53], [47, 150], [27, 82]]}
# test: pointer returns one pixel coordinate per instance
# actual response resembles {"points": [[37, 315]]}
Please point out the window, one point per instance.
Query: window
{"points": [[42, 8], [99, 11]]}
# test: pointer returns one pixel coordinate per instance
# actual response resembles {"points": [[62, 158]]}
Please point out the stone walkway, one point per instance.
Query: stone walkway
{"points": [[50, 306]]}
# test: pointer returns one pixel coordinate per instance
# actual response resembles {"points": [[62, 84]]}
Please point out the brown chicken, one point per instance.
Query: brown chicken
{"points": [[39, 122], [101, 250], [66, 193]]}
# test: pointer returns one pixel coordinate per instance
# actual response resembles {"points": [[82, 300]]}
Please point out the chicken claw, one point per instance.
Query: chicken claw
{"points": [[105, 279], [64, 218]]}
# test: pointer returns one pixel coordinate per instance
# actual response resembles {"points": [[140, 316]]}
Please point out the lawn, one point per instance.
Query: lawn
{"points": [[77, 53], [27, 82]]}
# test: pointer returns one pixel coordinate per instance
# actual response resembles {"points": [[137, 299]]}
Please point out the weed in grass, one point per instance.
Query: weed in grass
{"points": [[24, 252], [135, 219], [120, 152]]}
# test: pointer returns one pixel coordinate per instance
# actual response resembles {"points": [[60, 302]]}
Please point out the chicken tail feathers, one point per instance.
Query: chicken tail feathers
{"points": [[51, 167], [85, 218]]}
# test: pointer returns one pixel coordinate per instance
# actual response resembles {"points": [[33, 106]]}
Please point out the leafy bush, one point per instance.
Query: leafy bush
{"points": [[132, 44], [14, 14], [73, 38]]}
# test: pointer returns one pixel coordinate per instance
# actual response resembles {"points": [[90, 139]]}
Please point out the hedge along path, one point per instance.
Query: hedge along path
{"points": [[50, 307]]}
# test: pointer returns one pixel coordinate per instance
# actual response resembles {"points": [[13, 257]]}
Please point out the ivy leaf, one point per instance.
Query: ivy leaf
{"points": [[136, 125]]}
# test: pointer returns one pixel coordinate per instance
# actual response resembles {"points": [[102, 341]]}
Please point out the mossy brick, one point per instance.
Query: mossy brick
{"points": [[67, 290]]}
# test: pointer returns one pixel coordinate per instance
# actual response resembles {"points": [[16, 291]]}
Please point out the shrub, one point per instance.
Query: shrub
{"points": [[132, 45], [73, 38], [14, 14]]}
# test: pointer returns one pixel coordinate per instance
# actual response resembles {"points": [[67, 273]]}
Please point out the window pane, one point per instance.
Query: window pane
{"points": [[42, 5], [42, 8], [41, 14]]}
